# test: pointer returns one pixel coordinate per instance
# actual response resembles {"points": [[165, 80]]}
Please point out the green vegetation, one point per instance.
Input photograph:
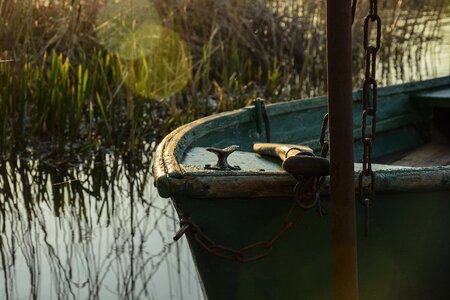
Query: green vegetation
{"points": [[69, 88]]}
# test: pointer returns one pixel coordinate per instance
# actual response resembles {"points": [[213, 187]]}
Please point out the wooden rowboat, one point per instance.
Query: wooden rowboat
{"points": [[224, 211]]}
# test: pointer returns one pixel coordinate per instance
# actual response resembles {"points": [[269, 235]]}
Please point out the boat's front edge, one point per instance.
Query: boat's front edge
{"points": [[280, 184]]}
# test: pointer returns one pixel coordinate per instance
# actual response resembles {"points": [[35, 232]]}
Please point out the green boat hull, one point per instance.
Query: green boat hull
{"points": [[404, 257], [406, 253]]}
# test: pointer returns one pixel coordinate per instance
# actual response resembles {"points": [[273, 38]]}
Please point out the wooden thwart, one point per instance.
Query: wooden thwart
{"points": [[426, 156]]}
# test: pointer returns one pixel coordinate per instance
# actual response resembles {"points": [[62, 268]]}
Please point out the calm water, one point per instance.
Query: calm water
{"points": [[98, 232], [101, 231]]}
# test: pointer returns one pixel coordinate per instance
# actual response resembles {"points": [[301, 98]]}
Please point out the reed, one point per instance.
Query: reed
{"points": [[93, 230], [64, 95]]}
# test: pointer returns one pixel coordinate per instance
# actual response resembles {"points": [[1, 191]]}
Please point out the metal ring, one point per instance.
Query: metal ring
{"points": [[298, 189]]}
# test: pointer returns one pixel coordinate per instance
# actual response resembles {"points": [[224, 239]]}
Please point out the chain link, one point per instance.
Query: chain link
{"points": [[261, 249], [306, 196], [246, 254], [325, 147], [366, 186], [323, 137]]}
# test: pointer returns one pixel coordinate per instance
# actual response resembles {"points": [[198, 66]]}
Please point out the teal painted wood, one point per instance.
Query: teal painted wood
{"points": [[436, 98], [403, 123], [436, 94], [405, 254]]}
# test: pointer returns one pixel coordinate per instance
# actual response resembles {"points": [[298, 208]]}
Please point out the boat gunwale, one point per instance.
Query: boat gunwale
{"points": [[171, 177]]}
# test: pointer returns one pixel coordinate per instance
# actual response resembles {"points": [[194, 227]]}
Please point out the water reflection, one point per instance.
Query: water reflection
{"points": [[415, 44], [89, 232]]}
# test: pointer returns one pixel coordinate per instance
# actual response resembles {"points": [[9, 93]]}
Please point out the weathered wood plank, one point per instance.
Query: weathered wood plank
{"points": [[398, 117], [236, 184], [426, 156]]}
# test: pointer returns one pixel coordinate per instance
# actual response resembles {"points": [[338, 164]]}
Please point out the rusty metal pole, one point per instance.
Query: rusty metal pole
{"points": [[339, 39]]}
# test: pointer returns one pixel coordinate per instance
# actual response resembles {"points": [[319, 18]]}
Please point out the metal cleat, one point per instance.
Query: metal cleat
{"points": [[222, 155]]}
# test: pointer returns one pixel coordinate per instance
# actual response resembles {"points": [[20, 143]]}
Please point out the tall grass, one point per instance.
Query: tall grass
{"points": [[63, 95], [59, 107]]}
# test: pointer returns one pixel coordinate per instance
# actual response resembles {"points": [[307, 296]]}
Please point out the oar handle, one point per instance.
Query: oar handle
{"points": [[314, 166], [297, 159], [283, 151]]}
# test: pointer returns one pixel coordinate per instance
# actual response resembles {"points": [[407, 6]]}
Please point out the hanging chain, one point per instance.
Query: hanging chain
{"points": [[305, 191], [325, 146], [261, 249], [369, 112], [246, 254]]}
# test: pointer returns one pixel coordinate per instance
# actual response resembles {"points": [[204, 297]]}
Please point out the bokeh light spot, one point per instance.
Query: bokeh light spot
{"points": [[119, 24], [165, 70]]}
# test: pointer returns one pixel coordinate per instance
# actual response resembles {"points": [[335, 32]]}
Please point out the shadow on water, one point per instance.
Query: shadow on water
{"points": [[91, 232]]}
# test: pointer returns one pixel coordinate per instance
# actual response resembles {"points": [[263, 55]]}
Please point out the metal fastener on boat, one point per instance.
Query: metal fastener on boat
{"points": [[222, 156]]}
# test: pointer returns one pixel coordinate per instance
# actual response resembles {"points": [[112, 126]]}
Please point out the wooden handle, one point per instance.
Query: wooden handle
{"points": [[307, 166], [297, 159], [283, 151]]}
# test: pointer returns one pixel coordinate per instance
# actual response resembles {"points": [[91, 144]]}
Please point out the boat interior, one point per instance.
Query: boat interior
{"points": [[435, 153], [413, 130]]}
